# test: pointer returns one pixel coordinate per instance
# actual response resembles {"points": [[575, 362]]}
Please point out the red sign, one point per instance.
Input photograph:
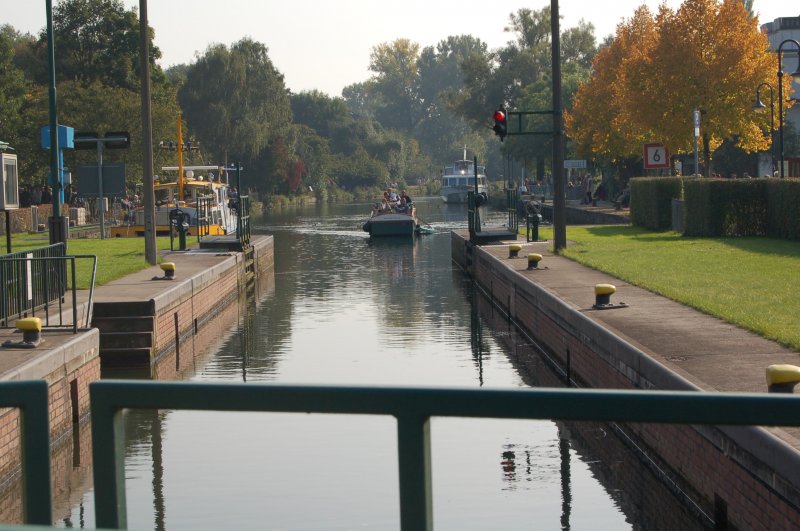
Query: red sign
{"points": [[655, 156]]}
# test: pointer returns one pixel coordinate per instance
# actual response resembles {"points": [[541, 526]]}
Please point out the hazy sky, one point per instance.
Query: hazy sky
{"points": [[325, 44]]}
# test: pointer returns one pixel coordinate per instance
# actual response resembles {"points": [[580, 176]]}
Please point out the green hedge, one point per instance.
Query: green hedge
{"points": [[651, 201], [783, 214], [725, 207]]}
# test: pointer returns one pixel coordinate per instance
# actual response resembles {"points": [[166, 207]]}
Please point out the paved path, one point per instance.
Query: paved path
{"points": [[707, 351], [16, 363]]}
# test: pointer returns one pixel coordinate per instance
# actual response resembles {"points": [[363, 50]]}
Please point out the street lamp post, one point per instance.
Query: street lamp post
{"points": [[796, 73], [758, 105]]}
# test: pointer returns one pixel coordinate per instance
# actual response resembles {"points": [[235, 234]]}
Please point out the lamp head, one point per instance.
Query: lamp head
{"points": [[759, 105]]}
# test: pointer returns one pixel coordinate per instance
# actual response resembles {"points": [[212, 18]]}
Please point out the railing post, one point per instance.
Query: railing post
{"points": [[34, 421], [414, 453], [108, 450]]}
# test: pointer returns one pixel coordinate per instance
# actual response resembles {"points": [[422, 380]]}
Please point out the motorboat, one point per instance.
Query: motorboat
{"points": [[459, 178]]}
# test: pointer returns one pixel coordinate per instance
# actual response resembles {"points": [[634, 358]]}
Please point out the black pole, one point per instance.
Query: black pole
{"points": [[780, 90], [57, 229], [780, 110], [771, 133], [150, 248], [559, 199], [760, 105]]}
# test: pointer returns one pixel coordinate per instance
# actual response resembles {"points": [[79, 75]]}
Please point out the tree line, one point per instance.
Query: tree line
{"points": [[415, 113]]}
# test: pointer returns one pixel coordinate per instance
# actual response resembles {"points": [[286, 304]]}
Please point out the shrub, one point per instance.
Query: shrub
{"points": [[651, 201], [726, 207]]}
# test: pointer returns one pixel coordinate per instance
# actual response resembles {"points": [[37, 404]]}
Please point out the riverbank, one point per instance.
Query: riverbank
{"points": [[140, 321], [654, 343]]}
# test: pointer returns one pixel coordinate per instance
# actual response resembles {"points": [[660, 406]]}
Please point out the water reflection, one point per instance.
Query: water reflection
{"points": [[344, 310]]}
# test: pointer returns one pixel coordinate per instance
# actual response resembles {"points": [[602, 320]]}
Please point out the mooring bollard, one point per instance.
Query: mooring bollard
{"points": [[533, 260], [513, 250], [781, 378], [31, 328], [603, 293], [169, 271]]}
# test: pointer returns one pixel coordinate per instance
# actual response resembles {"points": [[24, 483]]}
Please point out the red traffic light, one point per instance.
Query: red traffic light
{"points": [[500, 123]]}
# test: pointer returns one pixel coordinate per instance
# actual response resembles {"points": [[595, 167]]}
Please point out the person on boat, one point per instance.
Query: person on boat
{"points": [[393, 197], [403, 207], [404, 195]]}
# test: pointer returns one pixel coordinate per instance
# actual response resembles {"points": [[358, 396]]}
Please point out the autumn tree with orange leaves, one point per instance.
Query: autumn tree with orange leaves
{"points": [[708, 55]]}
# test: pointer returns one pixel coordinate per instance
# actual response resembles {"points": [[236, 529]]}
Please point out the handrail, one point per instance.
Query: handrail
{"points": [[243, 221], [31, 399], [413, 408], [59, 289]]}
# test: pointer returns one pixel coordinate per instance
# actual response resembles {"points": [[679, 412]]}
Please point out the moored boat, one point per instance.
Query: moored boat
{"points": [[203, 197], [459, 178]]}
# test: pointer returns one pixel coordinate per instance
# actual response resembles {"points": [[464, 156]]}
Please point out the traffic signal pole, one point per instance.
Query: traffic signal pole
{"points": [[148, 190], [559, 199], [501, 129], [57, 222]]}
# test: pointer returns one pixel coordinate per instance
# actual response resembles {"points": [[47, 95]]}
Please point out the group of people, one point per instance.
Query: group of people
{"points": [[393, 202], [36, 195]]}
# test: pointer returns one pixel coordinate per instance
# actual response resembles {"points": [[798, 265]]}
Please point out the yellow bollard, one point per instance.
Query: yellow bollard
{"points": [[533, 260], [513, 250], [169, 271], [781, 378], [603, 293], [31, 328]]}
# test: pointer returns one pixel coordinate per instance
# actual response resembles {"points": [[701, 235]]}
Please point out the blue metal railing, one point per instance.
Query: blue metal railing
{"points": [[413, 408]]}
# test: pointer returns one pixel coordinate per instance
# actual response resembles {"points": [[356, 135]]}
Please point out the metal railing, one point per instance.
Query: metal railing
{"points": [[243, 221], [31, 399], [413, 409], [35, 281], [204, 221], [512, 198]]}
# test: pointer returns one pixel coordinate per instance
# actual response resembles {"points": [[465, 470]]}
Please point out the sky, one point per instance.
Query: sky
{"points": [[325, 44]]}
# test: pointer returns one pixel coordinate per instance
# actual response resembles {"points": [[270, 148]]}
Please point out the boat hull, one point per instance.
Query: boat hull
{"points": [[388, 225], [134, 231], [459, 195]]}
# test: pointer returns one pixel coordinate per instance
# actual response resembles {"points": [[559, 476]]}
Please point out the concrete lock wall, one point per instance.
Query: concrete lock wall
{"points": [[747, 472], [182, 315], [68, 363]]}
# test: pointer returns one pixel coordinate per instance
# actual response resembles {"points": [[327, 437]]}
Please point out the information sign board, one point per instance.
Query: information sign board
{"points": [[655, 156]]}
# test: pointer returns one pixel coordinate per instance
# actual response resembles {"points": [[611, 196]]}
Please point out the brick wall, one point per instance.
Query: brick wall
{"points": [[22, 218], [725, 464], [72, 378]]}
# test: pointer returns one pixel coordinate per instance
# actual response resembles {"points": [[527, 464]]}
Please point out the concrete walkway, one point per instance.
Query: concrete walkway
{"points": [[707, 351], [61, 344]]}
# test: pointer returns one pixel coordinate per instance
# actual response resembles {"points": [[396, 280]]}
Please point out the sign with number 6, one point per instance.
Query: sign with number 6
{"points": [[655, 156]]}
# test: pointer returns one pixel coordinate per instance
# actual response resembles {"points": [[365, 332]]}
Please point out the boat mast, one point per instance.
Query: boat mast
{"points": [[465, 152], [180, 162]]}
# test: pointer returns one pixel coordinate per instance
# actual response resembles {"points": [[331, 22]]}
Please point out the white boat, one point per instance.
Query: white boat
{"points": [[202, 195], [459, 178]]}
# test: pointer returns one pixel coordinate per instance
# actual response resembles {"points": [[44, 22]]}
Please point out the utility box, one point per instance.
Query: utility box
{"points": [[9, 191]]}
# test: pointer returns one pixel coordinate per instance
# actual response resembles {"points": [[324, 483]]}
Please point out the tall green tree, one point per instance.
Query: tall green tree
{"points": [[12, 89], [396, 84], [95, 41], [519, 76], [442, 132], [236, 103]]}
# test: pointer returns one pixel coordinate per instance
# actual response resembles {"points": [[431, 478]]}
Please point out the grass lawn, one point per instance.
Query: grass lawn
{"points": [[750, 282], [116, 257]]}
